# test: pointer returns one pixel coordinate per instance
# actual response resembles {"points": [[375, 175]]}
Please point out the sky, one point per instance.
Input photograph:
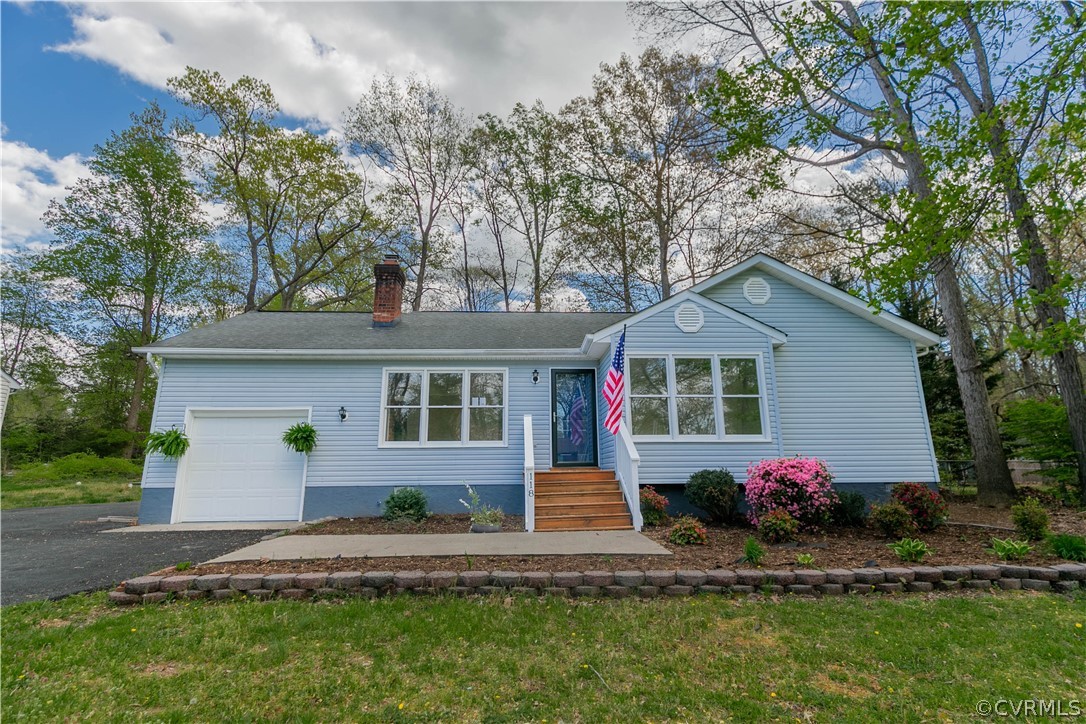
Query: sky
{"points": [[72, 73]]}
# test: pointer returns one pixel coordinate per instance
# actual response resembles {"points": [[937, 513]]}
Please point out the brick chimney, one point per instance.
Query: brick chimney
{"points": [[388, 291]]}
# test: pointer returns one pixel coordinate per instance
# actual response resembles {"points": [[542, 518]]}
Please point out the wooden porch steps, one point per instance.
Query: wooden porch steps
{"points": [[580, 499]]}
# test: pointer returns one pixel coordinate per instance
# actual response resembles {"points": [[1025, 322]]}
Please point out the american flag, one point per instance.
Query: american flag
{"points": [[613, 390], [576, 418]]}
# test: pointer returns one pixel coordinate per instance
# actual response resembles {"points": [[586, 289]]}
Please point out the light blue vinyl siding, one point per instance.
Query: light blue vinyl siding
{"points": [[673, 461], [607, 440], [347, 453], [848, 390]]}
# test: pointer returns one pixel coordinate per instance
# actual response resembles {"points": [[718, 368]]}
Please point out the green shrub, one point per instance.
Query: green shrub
{"points": [[653, 506], [171, 444], [406, 504], [910, 550], [850, 510], [688, 531], [715, 492], [927, 507], [76, 466], [777, 526], [301, 437], [1010, 550], [753, 552], [1068, 547], [893, 520], [1030, 519]]}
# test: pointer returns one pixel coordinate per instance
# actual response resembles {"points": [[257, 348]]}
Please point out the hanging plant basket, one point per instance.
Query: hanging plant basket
{"points": [[170, 444], [301, 437]]}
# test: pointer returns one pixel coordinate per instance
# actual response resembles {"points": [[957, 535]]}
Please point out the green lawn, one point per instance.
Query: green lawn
{"points": [[422, 659], [71, 480]]}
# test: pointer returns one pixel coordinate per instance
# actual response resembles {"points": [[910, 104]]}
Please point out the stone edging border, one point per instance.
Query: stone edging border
{"points": [[1061, 578]]}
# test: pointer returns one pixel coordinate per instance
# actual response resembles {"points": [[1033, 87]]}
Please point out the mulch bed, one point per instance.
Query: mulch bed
{"points": [[957, 543]]}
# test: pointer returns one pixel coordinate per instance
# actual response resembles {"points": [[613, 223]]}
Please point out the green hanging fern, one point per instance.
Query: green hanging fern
{"points": [[171, 444], [301, 437]]}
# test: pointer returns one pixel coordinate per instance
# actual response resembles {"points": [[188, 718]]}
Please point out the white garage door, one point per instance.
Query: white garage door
{"points": [[238, 469]]}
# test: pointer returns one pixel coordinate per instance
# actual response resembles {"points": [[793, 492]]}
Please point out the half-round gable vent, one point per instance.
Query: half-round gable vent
{"points": [[757, 290], [689, 317]]}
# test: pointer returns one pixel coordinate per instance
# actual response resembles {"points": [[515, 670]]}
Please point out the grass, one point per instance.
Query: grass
{"points": [[71, 480], [515, 659]]}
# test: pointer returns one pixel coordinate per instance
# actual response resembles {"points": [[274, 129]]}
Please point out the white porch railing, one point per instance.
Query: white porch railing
{"points": [[529, 476], [626, 461]]}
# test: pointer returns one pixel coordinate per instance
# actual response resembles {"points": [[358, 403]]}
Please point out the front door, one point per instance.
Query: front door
{"points": [[573, 418]]}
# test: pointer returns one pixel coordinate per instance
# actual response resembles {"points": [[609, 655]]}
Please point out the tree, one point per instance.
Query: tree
{"points": [[964, 45], [293, 202], [127, 246], [818, 83], [643, 132], [522, 160], [414, 136]]}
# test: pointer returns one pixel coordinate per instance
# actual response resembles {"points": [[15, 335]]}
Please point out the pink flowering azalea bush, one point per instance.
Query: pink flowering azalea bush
{"points": [[801, 487]]}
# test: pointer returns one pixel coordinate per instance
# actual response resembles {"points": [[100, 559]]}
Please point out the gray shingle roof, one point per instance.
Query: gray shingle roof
{"points": [[416, 331]]}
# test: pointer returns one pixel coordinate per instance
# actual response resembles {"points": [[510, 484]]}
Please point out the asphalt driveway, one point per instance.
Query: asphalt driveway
{"points": [[54, 552]]}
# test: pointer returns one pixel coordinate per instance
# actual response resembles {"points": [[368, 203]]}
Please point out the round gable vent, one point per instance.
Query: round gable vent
{"points": [[757, 290], [689, 317]]}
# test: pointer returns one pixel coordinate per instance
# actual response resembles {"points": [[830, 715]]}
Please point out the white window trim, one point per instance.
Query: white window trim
{"points": [[718, 401], [424, 414]]}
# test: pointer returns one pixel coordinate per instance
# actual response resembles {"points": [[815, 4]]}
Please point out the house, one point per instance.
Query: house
{"points": [[8, 384], [759, 361]]}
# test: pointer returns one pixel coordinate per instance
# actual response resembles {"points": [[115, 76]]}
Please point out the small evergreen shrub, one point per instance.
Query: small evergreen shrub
{"points": [[171, 444], [406, 504], [301, 437], [802, 487], [777, 526], [910, 550], [1068, 547], [850, 510], [1030, 519], [893, 519], [1010, 550], [688, 531], [715, 492], [653, 506], [927, 507], [753, 552]]}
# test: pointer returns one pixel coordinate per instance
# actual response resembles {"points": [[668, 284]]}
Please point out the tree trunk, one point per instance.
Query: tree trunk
{"points": [[135, 406], [994, 484], [420, 279]]}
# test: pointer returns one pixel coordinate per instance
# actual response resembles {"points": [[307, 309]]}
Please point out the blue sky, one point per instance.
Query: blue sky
{"points": [[72, 73]]}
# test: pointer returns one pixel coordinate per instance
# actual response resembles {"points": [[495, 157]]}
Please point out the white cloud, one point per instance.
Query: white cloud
{"points": [[319, 58], [29, 180]]}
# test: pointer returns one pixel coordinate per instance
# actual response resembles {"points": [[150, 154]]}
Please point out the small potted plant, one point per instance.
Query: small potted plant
{"points": [[301, 437], [171, 444], [484, 518]]}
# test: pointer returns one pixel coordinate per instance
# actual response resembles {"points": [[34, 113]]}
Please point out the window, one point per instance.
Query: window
{"points": [[719, 397], [443, 408]]}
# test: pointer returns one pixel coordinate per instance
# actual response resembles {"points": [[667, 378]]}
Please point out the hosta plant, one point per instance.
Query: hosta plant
{"points": [[801, 487], [910, 550], [804, 559], [1010, 550], [301, 437], [171, 444]]}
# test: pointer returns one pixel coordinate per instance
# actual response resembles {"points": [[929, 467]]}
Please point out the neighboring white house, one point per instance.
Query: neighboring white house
{"points": [[8, 384], [759, 361]]}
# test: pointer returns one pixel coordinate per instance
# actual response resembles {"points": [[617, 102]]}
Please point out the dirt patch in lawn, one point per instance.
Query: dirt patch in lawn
{"points": [[840, 548]]}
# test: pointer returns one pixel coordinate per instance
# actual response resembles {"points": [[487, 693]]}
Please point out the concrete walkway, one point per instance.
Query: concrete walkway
{"points": [[568, 543]]}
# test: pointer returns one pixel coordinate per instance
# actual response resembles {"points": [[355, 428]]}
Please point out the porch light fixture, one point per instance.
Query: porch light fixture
{"points": [[343, 414], [535, 377]]}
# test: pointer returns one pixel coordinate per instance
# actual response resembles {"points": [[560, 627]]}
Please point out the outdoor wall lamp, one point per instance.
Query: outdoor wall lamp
{"points": [[535, 377], [343, 414]]}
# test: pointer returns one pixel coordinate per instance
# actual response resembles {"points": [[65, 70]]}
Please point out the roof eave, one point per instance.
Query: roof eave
{"points": [[360, 354]]}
